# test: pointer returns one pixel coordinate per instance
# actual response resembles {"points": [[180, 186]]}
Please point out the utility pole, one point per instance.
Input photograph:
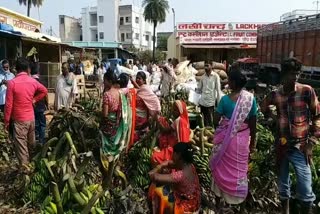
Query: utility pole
{"points": [[50, 31], [317, 4], [174, 19]]}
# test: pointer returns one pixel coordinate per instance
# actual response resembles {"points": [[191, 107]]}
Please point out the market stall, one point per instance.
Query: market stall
{"points": [[213, 41]]}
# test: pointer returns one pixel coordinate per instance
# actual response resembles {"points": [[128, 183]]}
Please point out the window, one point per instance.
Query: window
{"points": [[147, 38], [128, 19], [101, 19], [129, 36], [101, 35], [93, 19], [121, 20], [137, 36], [122, 37], [62, 20], [137, 20]]}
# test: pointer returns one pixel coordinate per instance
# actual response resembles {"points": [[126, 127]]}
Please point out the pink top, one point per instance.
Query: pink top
{"points": [[22, 91], [187, 190], [111, 102]]}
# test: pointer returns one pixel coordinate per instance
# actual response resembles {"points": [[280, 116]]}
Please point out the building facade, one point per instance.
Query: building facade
{"points": [[70, 28], [218, 42], [134, 31], [162, 40], [100, 23], [19, 21], [109, 22]]}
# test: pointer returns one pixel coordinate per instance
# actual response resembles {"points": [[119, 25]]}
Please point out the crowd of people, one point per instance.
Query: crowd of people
{"points": [[131, 107]]}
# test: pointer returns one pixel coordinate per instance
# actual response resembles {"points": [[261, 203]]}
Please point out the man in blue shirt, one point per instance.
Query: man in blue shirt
{"points": [[5, 75]]}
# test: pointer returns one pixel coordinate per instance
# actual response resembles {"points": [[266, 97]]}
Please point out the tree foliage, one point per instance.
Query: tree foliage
{"points": [[155, 11], [29, 3], [147, 56]]}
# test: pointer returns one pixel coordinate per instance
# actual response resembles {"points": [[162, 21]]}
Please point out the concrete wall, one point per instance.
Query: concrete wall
{"points": [[171, 47], [109, 10], [135, 30], [137, 27], [69, 28]]}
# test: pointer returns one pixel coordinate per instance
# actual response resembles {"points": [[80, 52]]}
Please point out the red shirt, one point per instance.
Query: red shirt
{"points": [[22, 91]]}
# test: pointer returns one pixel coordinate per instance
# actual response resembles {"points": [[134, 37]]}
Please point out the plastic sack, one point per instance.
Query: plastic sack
{"points": [[194, 97]]}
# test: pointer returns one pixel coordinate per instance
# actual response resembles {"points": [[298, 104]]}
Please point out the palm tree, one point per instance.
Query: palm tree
{"points": [[29, 3], [155, 11]]}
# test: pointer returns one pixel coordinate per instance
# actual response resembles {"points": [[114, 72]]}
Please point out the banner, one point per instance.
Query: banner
{"points": [[219, 26], [218, 33]]}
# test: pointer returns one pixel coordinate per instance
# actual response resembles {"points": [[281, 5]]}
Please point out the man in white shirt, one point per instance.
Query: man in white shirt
{"points": [[210, 90], [135, 67], [5, 75]]}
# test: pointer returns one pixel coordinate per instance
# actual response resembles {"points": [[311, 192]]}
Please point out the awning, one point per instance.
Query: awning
{"points": [[37, 35], [238, 46], [39, 41], [10, 34]]}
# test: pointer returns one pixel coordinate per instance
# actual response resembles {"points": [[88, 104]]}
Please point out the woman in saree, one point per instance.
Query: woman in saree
{"points": [[175, 188], [234, 138], [131, 95], [115, 121], [147, 105], [179, 131]]}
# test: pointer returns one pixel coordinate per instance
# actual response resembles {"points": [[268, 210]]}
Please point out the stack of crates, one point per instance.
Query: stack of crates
{"points": [[81, 86]]}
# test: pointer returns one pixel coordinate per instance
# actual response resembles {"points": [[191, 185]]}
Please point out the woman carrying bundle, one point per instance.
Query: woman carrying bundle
{"points": [[177, 192], [179, 131], [234, 138], [147, 105]]}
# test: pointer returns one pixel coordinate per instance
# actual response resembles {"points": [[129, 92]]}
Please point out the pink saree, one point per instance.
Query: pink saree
{"points": [[229, 160]]}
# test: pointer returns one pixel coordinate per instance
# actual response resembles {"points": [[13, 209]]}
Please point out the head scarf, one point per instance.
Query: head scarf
{"points": [[181, 124]]}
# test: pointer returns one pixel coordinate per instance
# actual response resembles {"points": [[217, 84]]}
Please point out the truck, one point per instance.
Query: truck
{"points": [[299, 38]]}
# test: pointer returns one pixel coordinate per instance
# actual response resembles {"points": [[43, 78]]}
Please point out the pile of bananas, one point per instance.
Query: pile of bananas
{"points": [[139, 165], [201, 163], [38, 188], [202, 138], [60, 177]]}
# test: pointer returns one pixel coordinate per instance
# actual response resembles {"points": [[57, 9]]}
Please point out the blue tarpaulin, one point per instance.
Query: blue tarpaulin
{"points": [[5, 28]]}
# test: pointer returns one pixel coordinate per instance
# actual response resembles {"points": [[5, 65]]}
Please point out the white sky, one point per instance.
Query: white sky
{"points": [[186, 10]]}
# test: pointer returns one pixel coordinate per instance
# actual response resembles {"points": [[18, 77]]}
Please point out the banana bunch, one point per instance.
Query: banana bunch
{"points": [[37, 189], [202, 137], [202, 141], [192, 109], [201, 163], [48, 207], [140, 165]]}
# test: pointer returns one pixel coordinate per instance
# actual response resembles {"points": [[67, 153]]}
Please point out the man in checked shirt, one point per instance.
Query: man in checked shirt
{"points": [[297, 105]]}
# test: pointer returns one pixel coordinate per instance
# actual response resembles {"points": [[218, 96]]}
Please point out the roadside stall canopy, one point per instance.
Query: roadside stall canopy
{"points": [[37, 35]]}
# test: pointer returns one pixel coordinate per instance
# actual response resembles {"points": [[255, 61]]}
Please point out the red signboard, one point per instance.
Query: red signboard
{"points": [[24, 25], [219, 26]]}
